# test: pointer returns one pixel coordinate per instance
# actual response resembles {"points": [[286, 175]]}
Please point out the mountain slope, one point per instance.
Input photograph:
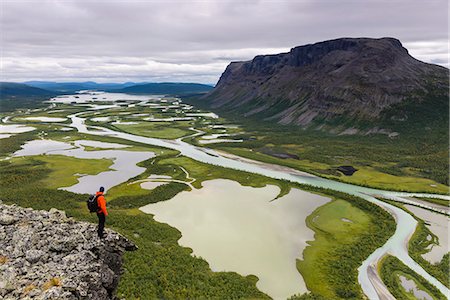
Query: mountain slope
{"points": [[170, 88], [347, 80], [19, 95], [12, 89]]}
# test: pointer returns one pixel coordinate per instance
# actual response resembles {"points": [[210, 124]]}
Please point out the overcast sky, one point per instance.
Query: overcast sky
{"points": [[193, 41]]}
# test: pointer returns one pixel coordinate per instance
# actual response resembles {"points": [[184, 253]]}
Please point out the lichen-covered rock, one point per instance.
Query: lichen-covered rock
{"points": [[46, 255], [7, 220], [33, 256]]}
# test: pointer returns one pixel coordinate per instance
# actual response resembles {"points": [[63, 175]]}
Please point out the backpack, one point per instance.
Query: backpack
{"points": [[92, 203]]}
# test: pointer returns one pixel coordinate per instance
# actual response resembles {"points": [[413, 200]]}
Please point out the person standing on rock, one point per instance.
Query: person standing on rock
{"points": [[101, 212]]}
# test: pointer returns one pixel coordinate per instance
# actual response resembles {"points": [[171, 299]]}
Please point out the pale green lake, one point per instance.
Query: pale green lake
{"points": [[238, 228]]}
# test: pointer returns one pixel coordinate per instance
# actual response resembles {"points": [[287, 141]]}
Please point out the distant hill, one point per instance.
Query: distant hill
{"points": [[12, 89], [71, 87], [166, 88], [19, 95], [336, 83], [172, 88]]}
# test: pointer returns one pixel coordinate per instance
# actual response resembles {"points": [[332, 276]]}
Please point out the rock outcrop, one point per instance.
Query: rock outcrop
{"points": [[46, 255], [347, 78]]}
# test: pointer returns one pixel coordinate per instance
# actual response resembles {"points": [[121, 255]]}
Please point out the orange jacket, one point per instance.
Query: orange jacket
{"points": [[101, 203]]}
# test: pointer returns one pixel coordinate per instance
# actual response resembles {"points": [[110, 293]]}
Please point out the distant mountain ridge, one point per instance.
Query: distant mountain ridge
{"points": [[71, 87], [31, 94], [12, 89], [18, 95], [172, 88], [341, 79]]}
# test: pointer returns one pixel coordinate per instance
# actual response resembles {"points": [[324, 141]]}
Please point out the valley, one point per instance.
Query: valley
{"points": [[163, 161]]}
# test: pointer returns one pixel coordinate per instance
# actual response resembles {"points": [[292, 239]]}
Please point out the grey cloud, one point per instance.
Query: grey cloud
{"points": [[439, 61], [196, 39]]}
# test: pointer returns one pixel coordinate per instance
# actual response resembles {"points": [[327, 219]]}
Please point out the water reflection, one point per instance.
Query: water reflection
{"points": [[438, 225], [410, 286], [237, 228], [45, 119], [123, 168], [15, 128]]}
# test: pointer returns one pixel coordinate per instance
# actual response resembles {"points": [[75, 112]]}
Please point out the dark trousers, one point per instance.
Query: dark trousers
{"points": [[101, 224]]}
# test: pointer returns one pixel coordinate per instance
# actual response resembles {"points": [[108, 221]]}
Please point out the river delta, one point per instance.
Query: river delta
{"points": [[252, 230]]}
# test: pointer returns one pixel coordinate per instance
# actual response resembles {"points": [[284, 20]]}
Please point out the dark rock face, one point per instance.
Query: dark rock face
{"points": [[45, 255], [353, 78], [347, 170]]}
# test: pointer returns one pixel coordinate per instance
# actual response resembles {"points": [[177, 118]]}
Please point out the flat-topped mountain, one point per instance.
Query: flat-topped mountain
{"points": [[342, 79]]}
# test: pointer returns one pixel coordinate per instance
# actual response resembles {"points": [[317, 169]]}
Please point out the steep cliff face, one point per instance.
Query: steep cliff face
{"points": [[353, 78], [45, 255]]}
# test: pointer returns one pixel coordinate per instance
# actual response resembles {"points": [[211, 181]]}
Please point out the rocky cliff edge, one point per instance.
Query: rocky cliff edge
{"points": [[46, 255]]}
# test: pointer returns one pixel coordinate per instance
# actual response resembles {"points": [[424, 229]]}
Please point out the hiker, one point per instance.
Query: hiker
{"points": [[101, 212]]}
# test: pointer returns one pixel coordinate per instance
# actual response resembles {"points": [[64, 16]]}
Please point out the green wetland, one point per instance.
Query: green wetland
{"points": [[174, 262]]}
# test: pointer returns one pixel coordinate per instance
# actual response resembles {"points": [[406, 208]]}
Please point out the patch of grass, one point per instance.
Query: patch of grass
{"points": [[3, 259], [365, 176], [368, 176], [202, 172], [9, 104], [442, 202], [299, 164], [54, 281], [28, 289], [331, 233], [160, 193], [151, 129], [330, 263], [24, 119], [63, 168], [126, 189], [307, 296], [390, 269], [13, 143]]}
